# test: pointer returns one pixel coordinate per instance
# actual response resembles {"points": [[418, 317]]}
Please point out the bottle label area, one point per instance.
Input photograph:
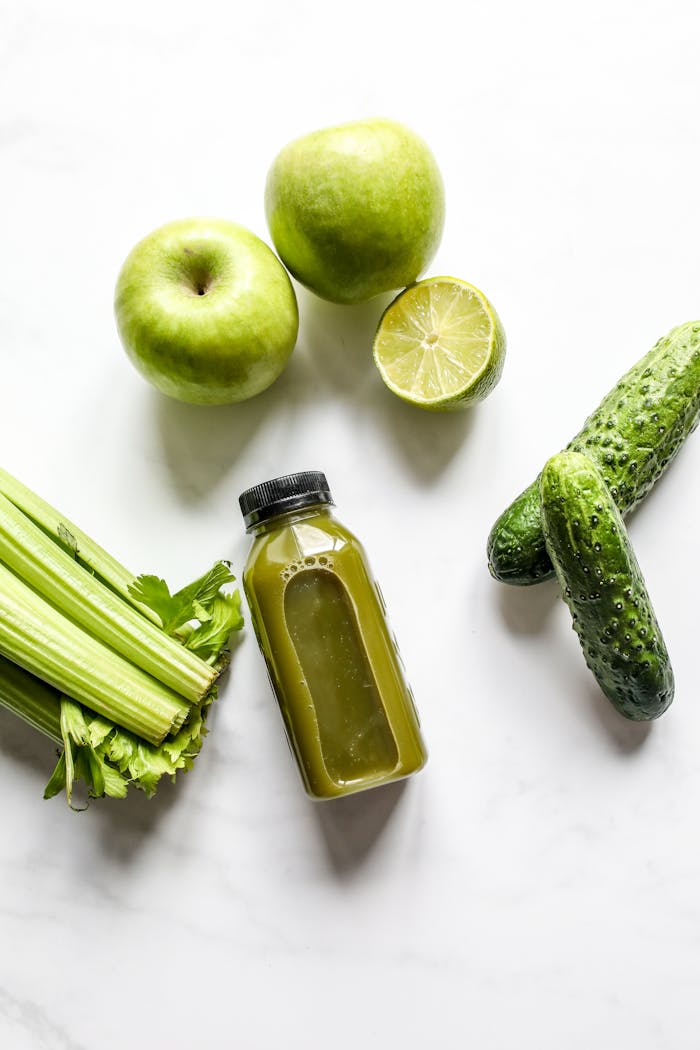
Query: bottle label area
{"points": [[355, 736]]}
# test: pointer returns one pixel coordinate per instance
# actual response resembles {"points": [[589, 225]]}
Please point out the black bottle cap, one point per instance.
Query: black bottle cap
{"points": [[280, 495]]}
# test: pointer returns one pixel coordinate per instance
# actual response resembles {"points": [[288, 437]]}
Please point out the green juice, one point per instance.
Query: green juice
{"points": [[320, 620]]}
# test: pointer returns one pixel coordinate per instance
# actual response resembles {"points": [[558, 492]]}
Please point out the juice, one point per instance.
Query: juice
{"points": [[333, 662]]}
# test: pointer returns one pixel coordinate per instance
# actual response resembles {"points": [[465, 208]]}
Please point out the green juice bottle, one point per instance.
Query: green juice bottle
{"points": [[320, 620]]}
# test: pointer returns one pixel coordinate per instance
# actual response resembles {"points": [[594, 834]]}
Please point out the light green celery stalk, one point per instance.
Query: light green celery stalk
{"points": [[77, 594], [88, 553], [37, 637], [111, 651], [217, 613], [30, 698], [108, 759]]}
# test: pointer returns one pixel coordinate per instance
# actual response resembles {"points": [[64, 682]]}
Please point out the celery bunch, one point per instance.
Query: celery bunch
{"points": [[116, 669]]}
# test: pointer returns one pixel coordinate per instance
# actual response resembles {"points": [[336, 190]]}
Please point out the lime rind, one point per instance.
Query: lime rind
{"points": [[440, 344]]}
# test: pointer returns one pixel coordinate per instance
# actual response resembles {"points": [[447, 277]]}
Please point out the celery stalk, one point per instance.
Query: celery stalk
{"points": [[30, 698], [80, 596], [36, 636], [86, 552], [95, 658], [106, 757]]}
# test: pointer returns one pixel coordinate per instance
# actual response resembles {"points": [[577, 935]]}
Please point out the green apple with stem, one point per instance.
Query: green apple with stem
{"points": [[355, 210], [206, 311]]}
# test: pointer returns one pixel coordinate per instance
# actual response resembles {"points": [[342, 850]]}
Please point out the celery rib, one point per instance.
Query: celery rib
{"points": [[89, 554], [93, 749], [79, 596], [43, 641], [32, 700]]}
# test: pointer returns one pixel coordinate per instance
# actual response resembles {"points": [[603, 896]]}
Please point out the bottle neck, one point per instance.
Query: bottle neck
{"points": [[291, 517]]}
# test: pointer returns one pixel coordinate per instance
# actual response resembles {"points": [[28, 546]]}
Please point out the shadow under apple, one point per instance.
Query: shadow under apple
{"points": [[338, 338], [202, 443], [338, 343]]}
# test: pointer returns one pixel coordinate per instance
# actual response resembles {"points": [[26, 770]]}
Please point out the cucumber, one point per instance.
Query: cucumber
{"points": [[603, 586], [633, 435]]}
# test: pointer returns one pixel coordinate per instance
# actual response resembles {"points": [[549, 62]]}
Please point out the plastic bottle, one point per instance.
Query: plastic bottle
{"points": [[320, 620]]}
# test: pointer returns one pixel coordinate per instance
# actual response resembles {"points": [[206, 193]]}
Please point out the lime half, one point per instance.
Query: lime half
{"points": [[440, 344]]}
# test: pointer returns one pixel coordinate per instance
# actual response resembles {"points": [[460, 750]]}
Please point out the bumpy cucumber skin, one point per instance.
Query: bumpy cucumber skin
{"points": [[632, 436], [604, 588]]}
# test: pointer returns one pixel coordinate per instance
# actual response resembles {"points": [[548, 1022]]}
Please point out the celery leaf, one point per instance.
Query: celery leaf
{"points": [[155, 594], [57, 781], [81, 758], [205, 589], [193, 602], [211, 636]]}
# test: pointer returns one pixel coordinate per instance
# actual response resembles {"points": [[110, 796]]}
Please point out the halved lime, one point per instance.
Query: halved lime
{"points": [[440, 344]]}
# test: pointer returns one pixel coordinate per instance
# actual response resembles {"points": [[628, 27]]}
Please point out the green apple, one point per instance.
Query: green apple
{"points": [[355, 210], [206, 311]]}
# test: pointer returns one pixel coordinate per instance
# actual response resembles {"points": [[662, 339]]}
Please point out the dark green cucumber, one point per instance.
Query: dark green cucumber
{"points": [[633, 435], [603, 586]]}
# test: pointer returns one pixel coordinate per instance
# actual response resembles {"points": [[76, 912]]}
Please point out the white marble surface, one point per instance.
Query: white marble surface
{"points": [[537, 885]]}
